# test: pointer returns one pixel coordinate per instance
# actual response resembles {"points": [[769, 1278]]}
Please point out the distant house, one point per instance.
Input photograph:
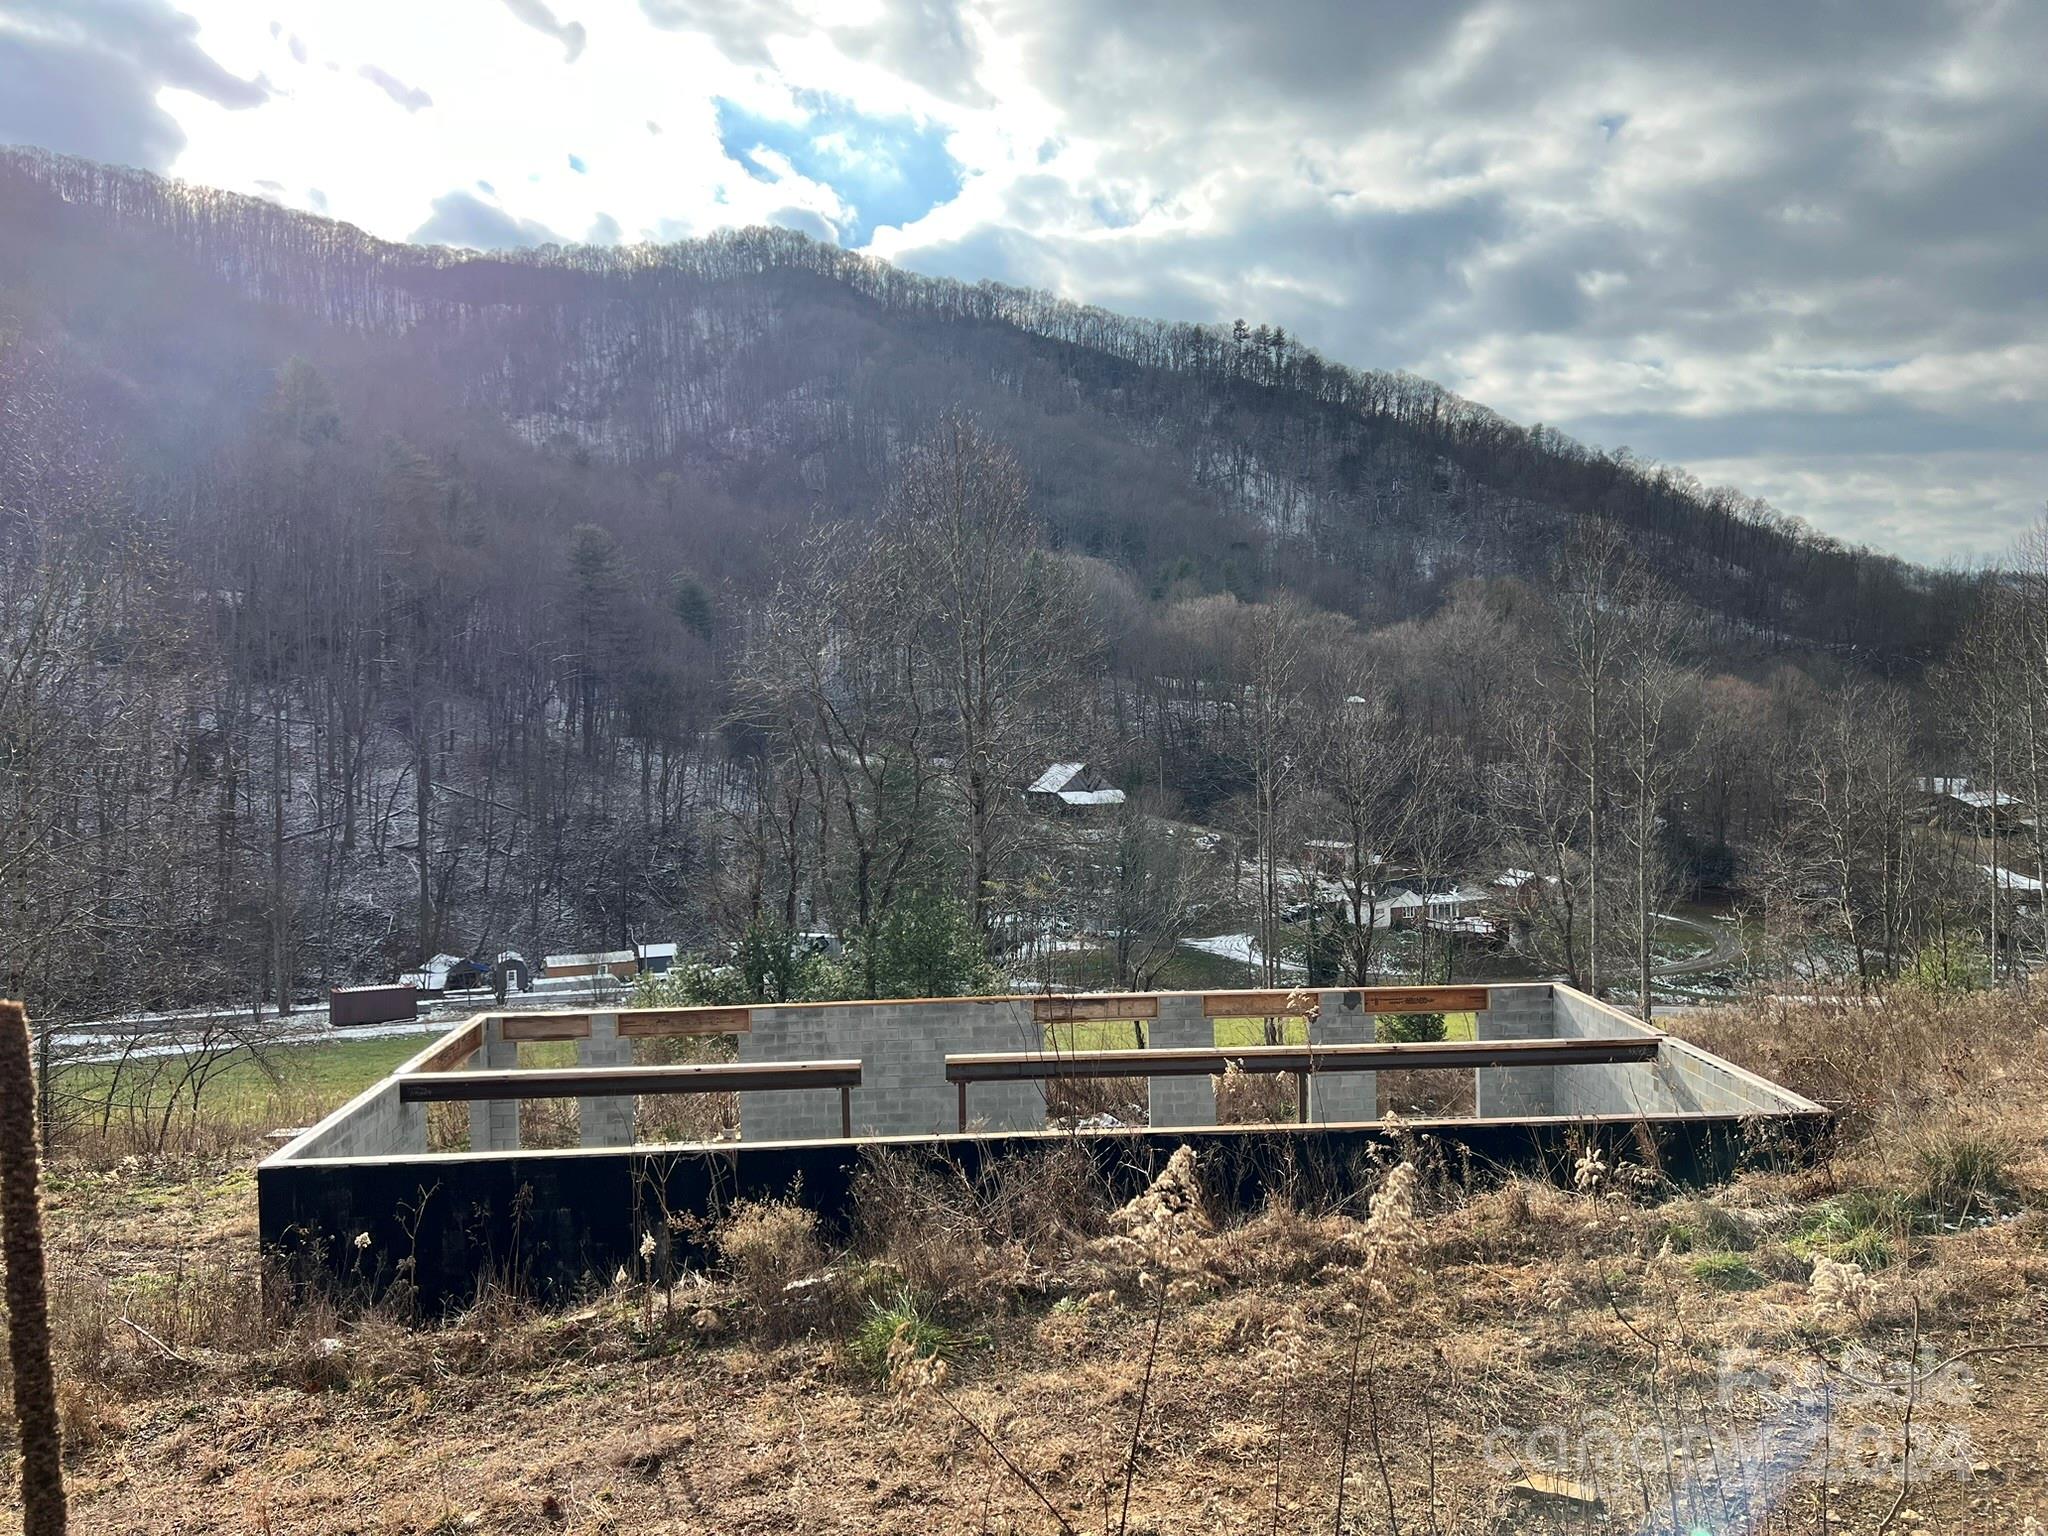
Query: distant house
{"points": [[620, 963], [1072, 787], [1957, 801], [1434, 903], [1518, 888], [513, 967], [2023, 891]]}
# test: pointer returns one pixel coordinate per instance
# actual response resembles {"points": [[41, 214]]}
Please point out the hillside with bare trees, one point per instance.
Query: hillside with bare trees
{"points": [[366, 601]]}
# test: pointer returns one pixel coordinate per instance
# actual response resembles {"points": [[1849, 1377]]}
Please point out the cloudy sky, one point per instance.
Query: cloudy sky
{"points": [[1797, 246]]}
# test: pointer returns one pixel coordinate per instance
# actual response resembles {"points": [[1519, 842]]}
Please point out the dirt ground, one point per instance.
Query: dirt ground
{"points": [[1031, 1364]]}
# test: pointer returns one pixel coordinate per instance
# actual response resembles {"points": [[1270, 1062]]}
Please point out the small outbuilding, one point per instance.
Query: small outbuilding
{"points": [[447, 973], [1072, 787], [657, 957], [622, 964]]}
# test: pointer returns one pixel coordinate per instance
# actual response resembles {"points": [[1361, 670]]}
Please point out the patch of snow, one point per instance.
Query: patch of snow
{"points": [[1241, 947]]}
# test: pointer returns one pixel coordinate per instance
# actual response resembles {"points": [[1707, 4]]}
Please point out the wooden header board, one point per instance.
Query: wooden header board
{"points": [[1071, 1010], [662, 1023], [1422, 999], [1297, 1003], [457, 1047], [544, 1026]]}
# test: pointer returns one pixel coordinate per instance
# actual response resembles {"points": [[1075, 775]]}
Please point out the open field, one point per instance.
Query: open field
{"points": [[1403, 1359], [328, 1070]]}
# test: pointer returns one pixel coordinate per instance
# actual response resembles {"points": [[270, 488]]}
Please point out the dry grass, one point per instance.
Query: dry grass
{"points": [[1365, 1348], [1254, 1098]]}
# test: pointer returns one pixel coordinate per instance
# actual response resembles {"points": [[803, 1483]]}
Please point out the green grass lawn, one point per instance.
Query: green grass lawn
{"points": [[323, 1073]]}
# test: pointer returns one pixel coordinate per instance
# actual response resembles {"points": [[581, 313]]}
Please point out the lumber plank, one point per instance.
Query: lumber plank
{"points": [[1378, 1056], [1072, 1010], [664, 1023], [617, 1082]]}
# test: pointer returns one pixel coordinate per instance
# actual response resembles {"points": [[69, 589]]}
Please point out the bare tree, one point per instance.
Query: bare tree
{"points": [[28, 1309], [833, 669], [1371, 767], [1850, 796], [1159, 888], [1652, 745], [1597, 587], [1002, 623]]}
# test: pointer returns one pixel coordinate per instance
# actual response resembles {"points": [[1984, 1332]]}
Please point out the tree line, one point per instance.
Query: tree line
{"points": [[430, 635]]}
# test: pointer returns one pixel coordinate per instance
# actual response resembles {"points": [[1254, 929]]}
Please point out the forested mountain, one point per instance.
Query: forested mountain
{"points": [[774, 377], [400, 599]]}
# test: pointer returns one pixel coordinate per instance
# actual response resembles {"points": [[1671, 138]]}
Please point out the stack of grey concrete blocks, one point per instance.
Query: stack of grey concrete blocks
{"points": [[1182, 1024], [607, 1121], [1342, 1098], [494, 1123], [1519, 1012], [902, 1048]]}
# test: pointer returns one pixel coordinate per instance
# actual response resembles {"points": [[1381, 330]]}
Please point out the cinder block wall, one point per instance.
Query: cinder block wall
{"points": [[1682, 1079], [1183, 1024], [494, 1123], [605, 1122], [375, 1124], [1619, 1088], [1343, 1098], [902, 1048], [1518, 1012]]}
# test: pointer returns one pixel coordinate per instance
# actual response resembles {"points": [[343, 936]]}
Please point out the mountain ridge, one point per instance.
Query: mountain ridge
{"points": [[785, 372]]}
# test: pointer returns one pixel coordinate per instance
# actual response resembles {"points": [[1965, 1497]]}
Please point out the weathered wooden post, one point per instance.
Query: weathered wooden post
{"points": [[28, 1305]]}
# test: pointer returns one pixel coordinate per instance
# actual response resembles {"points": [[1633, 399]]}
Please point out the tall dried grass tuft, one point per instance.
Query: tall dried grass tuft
{"points": [[965, 1240], [1888, 1059], [771, 1248], [1253, 1098]]}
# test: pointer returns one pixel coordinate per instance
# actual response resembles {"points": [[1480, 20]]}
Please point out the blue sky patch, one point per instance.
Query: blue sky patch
{"points": [[888, 170]]}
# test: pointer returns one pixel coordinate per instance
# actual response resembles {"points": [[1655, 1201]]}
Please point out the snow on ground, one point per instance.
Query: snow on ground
{"points": [[1242, 948], [86, 1045], [129, 1036]]}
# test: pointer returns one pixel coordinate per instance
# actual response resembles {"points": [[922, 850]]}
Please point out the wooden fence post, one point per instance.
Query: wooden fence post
{"points": [[28, 1305]]}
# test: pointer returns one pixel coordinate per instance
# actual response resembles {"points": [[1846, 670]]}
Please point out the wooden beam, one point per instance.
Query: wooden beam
{"points": [[622, 1082], [1258, 1005], [457, 1047], [1295, 1004], [1032, 1066], [1422, 999], [543, 1026], [1070, 1010], [664, 1023]]}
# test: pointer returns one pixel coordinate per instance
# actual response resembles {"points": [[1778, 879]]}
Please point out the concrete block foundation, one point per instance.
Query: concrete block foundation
{"points": [[605, 1122], [365, 1169]]}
